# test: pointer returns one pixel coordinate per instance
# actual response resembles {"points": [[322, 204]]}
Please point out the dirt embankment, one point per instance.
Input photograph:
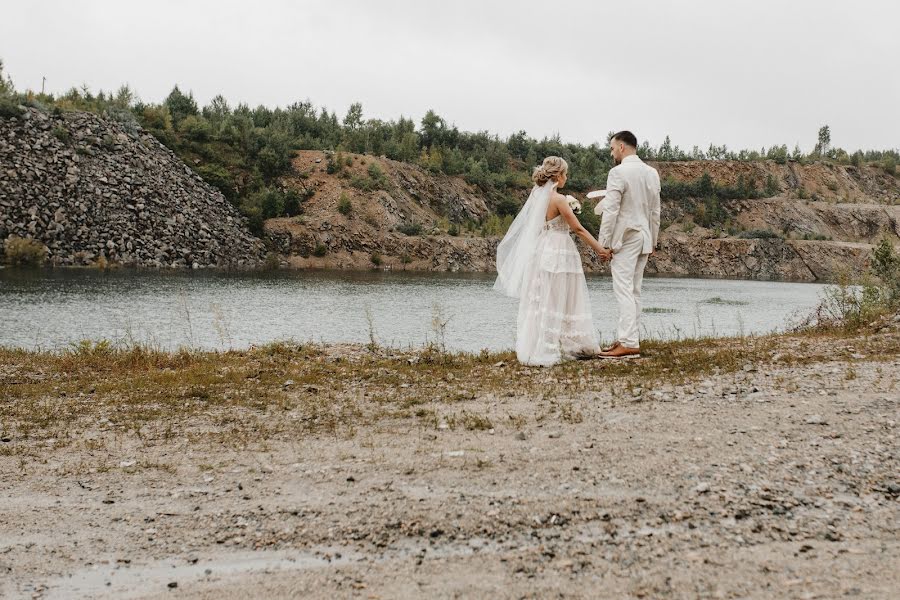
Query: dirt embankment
{"points": [[824, 218]]}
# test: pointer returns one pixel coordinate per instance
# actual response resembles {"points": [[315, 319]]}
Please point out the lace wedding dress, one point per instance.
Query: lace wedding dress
{"points": [[538, 263], [555, 321]]}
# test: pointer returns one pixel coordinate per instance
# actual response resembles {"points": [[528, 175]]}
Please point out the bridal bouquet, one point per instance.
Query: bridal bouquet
{"points": [[574, 204]]}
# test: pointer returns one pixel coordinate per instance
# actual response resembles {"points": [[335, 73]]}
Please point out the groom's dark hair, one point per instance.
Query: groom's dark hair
{"points": [[625, 137]]}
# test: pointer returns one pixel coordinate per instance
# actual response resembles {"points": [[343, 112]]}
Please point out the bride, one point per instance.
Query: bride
{"points": [[538, 263]]}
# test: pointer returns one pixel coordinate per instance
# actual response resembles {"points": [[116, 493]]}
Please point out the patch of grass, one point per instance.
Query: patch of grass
{"points": [[724, 302], [283, 390], [475, 422]]}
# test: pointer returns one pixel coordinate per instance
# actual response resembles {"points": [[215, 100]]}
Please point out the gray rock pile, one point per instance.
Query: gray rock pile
{"points": [[91, 188]]}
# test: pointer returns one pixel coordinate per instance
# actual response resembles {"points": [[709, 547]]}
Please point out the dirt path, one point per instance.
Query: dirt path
{"points": [[767, 481]]}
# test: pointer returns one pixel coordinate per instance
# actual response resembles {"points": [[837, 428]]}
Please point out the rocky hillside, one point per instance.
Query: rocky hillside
{"points": [[821, 220], [372, 223], [90, 189]]}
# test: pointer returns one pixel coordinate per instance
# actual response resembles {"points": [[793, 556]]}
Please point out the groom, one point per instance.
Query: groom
{"points": [[630, 228]]}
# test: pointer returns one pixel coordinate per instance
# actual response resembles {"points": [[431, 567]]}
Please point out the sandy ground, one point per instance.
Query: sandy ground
{"points": [[766, 482]]}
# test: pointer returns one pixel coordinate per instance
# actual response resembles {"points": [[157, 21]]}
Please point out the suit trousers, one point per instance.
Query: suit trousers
{"points": [[627, 269]]}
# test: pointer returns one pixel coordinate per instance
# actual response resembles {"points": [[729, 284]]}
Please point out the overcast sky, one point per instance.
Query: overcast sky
{"points": [[745, 73]]}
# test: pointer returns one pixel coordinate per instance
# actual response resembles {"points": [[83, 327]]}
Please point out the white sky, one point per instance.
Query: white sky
{"points": [[745, 73]]}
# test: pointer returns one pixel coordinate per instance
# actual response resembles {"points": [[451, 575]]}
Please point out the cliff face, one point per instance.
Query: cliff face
{"points": [[87, 187], [853, 208]]}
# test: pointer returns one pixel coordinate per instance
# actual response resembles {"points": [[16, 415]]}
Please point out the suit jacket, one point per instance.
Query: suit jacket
{"points": [[631, 204]]}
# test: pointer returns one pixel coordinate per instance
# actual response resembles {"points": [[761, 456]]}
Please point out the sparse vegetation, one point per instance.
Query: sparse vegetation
{"points": [[410, 229], [759, 234], [62, 134], [163, 394], [344, 205], [24, 252], [855, 303]]}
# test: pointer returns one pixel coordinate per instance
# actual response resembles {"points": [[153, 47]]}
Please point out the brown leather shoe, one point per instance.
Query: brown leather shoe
{"points": [[615, 345], [622, 352]]}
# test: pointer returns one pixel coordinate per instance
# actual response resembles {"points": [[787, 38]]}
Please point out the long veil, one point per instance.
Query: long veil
{"points": [[514, 254]]}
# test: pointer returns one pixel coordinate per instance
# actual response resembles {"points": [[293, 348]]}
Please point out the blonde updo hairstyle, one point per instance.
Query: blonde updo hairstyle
{"points": [[552, 168]]}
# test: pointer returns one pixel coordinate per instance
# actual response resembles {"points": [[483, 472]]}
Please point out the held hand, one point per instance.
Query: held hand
{"points": [[605, 254]]}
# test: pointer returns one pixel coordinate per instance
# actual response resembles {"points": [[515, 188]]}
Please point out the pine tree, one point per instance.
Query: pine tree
{"points": [[180, 106]]}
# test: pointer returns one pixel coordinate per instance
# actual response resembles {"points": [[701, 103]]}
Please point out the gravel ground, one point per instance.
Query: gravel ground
{"points": [[770, 481]]}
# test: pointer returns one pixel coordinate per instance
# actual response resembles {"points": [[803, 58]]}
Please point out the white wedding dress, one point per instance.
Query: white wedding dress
{"points": [[538, 263]]}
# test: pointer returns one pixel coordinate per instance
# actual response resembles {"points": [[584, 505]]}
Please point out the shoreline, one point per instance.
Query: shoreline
{"points": [[356, 271]]}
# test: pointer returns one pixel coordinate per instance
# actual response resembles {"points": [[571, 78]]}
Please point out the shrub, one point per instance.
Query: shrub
{"points": [[293, 203], [9, 108], [334, 163], [410, 229], [377, 175], [344, 206], [269, 204], [885, 266], [772, 186], [320, 250], [453, 229], [274, 161], [405, 258], [24, 252], [364, 184], [272, 262], [508, 206], [195, 128], [495, 225], [218, 177], [589, 220], [889, 165], [375, 258], [710, 213], [62, 134], [255, 223], [759, 234]]}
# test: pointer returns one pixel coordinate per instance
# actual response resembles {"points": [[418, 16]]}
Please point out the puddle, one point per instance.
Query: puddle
{"points": [[120, 580]]}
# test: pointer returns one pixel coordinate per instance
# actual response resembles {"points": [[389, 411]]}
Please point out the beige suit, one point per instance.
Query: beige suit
{"points": [[630, 227]]}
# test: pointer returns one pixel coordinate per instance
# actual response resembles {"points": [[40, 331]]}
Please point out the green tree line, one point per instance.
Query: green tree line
{"points": [[243, 151]]}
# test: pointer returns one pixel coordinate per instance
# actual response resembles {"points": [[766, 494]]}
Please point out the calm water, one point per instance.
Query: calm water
{"points": [[51, 309]]}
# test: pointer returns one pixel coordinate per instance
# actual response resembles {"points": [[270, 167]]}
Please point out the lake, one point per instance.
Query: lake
{"points": [[50, 309]]}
